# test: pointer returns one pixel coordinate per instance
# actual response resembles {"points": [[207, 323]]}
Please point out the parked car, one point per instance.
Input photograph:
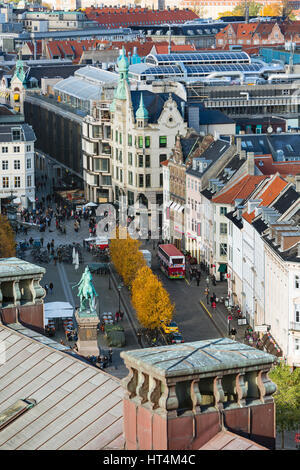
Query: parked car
{"points": [[176, 338], [172, 327]]}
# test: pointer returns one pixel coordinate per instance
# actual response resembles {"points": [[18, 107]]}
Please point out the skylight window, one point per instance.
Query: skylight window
{"points": [[14, 411]]}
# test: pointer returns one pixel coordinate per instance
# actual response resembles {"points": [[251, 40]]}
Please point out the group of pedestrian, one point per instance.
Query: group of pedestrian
{"points": [[119, 316], [49, 288]]}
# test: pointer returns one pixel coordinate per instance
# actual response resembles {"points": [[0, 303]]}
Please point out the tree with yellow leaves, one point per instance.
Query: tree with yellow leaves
{"points": [[150, 300], [7, 238], [125, 255], [271, 10]]}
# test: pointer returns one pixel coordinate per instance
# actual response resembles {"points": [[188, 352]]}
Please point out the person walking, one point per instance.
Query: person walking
{"points": [[110, 355], [46, 287], [233, 333], [42, 241], [51, 287], [207, 295], [121, 314]]}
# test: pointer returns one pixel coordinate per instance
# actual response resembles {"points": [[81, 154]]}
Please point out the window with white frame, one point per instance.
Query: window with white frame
{"points": [[4, 149], [28, 163], [28, 148], [5, 182], [297, 345], [17, 164], [223, 228], [17, 181], [223, 249], [28, 180], [4, 164], [297, 282], [297, 314], [16, 149]]}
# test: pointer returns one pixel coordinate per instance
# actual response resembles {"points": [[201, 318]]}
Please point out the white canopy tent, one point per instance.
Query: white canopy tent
{"points": [[57, 310]]}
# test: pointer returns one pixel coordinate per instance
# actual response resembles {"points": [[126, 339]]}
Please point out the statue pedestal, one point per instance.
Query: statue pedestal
{"points": [[87, 322]]}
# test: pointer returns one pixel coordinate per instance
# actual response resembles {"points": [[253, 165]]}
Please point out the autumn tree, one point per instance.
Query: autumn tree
{"points": [[287, 398], [125, 255], [240, 10], [150, 300], [271, 10], [7, 238]]}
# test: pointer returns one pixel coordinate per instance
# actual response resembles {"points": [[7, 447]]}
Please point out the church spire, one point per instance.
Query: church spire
{"points": [[141, 112]]}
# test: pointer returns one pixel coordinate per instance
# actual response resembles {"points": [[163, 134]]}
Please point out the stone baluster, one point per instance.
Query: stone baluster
{"points": [[168, 400], [130, 382], [265, 386], [218, 391], [142, 388], [195, 396], [17, 293], [154, 392], [241, 389]]}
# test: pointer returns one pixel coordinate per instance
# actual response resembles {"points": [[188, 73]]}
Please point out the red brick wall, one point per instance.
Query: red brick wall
{"points": [[32, 316], [9, 315], [145, 429]]}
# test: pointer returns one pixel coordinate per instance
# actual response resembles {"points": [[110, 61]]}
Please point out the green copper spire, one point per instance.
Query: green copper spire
{"points": [[19, 71], [123, 66], [142, 112]]}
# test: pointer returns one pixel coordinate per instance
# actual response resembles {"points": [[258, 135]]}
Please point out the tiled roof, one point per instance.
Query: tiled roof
{"points": [[226, 440], [78, 406], [268, 195], [163, 48], [238, 190], [125, 17], [38, 47], [267, 166]]}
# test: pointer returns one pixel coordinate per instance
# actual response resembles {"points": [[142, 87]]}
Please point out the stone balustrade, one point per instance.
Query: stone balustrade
{"points": [[195, 378]]}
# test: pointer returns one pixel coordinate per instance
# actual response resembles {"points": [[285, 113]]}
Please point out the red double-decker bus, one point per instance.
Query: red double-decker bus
{"points": [[172, 261]]}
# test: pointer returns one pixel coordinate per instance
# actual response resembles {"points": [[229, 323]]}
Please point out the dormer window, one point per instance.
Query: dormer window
{"points": [[16, 134]]}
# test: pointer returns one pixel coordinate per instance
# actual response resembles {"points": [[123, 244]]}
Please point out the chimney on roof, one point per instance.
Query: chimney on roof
{"points": [[250, 163], [297, 183], [180, 398]]}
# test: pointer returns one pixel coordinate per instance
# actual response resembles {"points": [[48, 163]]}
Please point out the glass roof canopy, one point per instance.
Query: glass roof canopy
{"points": [[181, 70], [199, 58]]}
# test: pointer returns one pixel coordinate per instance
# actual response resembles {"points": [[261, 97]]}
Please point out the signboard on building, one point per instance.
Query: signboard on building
{"points": [[261, 328]]}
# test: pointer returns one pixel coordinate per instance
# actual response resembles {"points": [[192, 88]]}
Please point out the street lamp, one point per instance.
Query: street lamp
{"points": [[119, 289]]}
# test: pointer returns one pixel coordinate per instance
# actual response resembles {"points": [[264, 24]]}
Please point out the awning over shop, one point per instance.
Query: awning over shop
{"points": [[222, 268], [271, 346]]}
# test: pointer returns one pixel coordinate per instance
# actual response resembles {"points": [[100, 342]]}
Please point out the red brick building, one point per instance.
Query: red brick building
{"points": [[251, 34]]}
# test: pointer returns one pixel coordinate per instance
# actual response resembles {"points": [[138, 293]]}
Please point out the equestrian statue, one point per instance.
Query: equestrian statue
{"points": [[86, 291]]}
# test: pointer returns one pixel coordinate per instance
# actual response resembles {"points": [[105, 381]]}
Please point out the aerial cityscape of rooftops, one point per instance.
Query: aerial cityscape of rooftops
{"points": [[150, 226]]}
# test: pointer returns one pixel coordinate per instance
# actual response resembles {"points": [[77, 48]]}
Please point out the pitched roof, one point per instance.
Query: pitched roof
{"points": [[124, 17], [214, 116], [268, 166], [163, 47], [238, 189], [226, 440], [270, 192], [153, 102], [78, 406]]}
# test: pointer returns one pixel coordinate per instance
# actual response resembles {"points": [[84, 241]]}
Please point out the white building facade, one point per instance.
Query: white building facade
{"points": [[17, 164]]}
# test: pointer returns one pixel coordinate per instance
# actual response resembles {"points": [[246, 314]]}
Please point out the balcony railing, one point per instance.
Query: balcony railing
{"points": [[295, 326]]}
